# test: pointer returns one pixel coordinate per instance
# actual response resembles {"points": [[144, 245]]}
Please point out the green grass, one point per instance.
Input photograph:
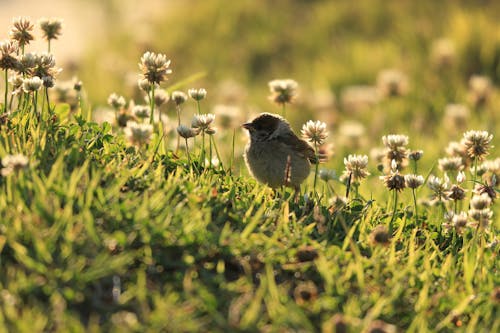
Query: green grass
{"points": [[100, 235]]}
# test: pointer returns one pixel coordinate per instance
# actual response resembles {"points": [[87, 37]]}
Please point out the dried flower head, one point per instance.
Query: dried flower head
{"points": [[51, 28], [488, 188], [8, 55], [477, 143], [326, 174], [439, 187], [459, 222], [13, 163], [161, 97], [380, 235], [116, 101], [450, 164], [314, 132], [141, 111], [456, 192], [202, 121], [394, 181], [415, 155], [480, 90], [197, 94], [392, 82], [283, 90], [138, 134], [22, 31], [154, 67], [414, 181], [187, 132], [179, 97], [32, 84]]}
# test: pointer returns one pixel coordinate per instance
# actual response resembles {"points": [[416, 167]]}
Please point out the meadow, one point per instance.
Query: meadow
{"points": [[126, 206]]}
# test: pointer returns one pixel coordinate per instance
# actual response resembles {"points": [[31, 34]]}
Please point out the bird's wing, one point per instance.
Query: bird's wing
{"points": [[298, 145]]}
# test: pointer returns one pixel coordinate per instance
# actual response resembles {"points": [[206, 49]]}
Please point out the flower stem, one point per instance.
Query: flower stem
{"points": [[178, 109], [415, 204], [317, 166], [391, 227], [152, 105], [187, 152], [474, 175], [283, 111], [6, 90]]}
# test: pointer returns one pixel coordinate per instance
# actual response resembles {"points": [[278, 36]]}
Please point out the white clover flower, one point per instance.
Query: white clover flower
{"points": [[356, 166], [187, 132], [283, 90], [138, 134], [32, 84], [315, 132], [202, 121], [197, 94], [155, 67], [179, 97], [116, 102], [13, 163], [477, 143], [414, 181], [326, 175], [141, 111], [51, 28]]}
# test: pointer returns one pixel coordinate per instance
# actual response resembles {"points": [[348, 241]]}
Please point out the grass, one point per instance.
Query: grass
{"points": [[98, 234]]}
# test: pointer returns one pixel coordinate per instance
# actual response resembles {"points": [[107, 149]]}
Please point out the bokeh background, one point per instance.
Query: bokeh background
{"points": [[336, 50]]}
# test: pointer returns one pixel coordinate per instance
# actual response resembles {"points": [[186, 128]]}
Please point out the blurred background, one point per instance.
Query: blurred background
{"points": [[366, 67]]}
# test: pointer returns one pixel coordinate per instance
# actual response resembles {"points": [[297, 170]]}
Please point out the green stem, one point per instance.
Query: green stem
{"points": [[178, 109], [317, 166], [210, 151], [283, 110], [217, 152], [35, 98], [152, 105], [198, 106], [187, 152], [474, 175], [48, 48], [202, 155], [6, 90], [415, 204], [391, 227]]}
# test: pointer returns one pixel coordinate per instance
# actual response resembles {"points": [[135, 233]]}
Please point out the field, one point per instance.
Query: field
{"points": [[126, 204]]}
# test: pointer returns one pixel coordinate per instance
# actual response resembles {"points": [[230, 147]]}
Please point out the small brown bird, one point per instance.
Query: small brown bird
{"points": [[275, 155]]}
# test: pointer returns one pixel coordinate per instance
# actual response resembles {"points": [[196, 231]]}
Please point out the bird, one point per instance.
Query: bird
{"points": [[275, 155]]}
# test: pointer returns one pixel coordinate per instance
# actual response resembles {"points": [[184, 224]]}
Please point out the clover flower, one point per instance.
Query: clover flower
{"points": [[51, 28], [16, 81], [480, 90], [187, 132], [314, 132], [413, 181], [283, 90], [443, 53], [27, 63], [394, 181], [197, 94], [456, 115], [396, 150], [453, 164], [326, 174], [154, 67], [138, 134], [392, 82], [13, 163], [356, 166], [116, 101], [477, 143], [8, 55], [141, 111], [179, 97], [202, 121], [439, 187], [32, 84], [22, 31]]}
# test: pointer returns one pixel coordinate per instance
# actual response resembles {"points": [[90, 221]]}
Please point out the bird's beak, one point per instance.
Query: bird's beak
{"points": [[247, 126]]}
